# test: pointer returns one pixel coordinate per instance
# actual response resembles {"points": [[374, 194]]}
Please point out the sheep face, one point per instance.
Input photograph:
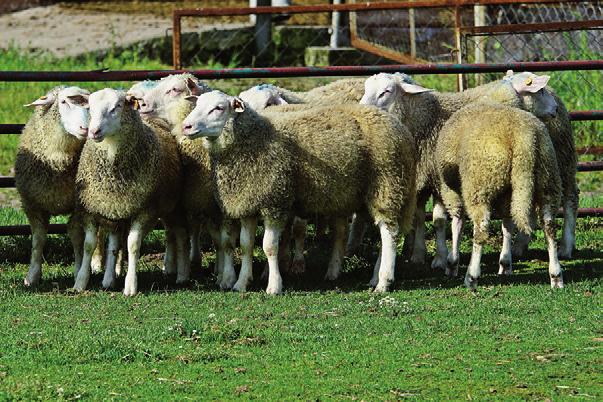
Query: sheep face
{"points": [[382, 89], [140, 89], [210, 115], [168, 90], [262, 96], [106, 108], [532, 90], [73, 109]]}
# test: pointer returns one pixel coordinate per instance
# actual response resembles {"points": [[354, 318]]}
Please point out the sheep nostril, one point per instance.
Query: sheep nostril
{"points": [[188, 126]]}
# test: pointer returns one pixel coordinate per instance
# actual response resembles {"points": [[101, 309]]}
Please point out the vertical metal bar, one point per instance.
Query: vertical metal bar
{"points": [[335, 26], [479, 20], [176, 33], [413, 38], [263, 32], [457, 42]]}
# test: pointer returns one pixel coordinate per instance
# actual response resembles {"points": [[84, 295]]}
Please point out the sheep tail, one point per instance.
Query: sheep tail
{"points": [[522, 180]]}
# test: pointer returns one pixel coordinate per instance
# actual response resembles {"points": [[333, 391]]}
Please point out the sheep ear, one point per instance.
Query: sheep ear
{"points": [[530, 84], [509, 74], [132, 101], [238, 105], [413, 88], [193, 87], [279, 101], [45, 100], [80, 100], [192, 99]]}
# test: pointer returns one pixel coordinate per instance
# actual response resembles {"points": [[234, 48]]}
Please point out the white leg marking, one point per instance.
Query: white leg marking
{"points": [[334, 269], [474, 269], [134, 241], [113, 246], [272, 234], [247, 241], [83, 276], [555, 271], [452, 269], [388, 257], [505, 266], [96, 264], [419, 249], [439, 224], [38, 239], [229, 276]]}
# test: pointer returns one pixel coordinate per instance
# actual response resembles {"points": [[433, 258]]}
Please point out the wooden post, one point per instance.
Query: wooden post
{"points": [[479, 18], [457, 42], [413, 39]]}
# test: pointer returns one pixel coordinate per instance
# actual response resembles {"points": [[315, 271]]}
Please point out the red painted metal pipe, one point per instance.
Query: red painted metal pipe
{"points": [[590, 166], [274, 72], [7, 182]]}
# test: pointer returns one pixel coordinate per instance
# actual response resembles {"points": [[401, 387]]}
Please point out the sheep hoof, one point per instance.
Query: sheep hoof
{"points": [[130, 286], [557, 281], [181, 280], [227, 283], [275, 288], [331, 275], [79, 287], [452, 272], [169, 269], [374, 281], [239, 287], [32, 280], [439, 263], [564, 253], [417, 259], [381, 288], [109, 283], [470, 282], [505, 268]]}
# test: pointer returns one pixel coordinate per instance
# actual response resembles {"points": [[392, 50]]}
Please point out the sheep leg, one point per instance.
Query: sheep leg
{"points": [[452, 269], [480, 234], [334, 269], [419, 249], [375, 279], [520, 246], [299, 230], [505, 266], [389, 234], [568, 240], [284, 247], [96, 263], [137, 232], [247, 240], [357, 230], [170, 256], [76, 235], [123, 240], [194, 229], [555, 271], [439, 223], [272, 234], [409, 241], [83, 275], [214, 232], [227, 241], [39, 229], [113, 246]]}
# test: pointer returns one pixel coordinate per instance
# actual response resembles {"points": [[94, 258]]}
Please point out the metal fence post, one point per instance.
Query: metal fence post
{"points": [[263, 32]]}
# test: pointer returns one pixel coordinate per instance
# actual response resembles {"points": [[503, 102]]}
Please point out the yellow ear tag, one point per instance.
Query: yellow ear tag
{"points": [[43, 97], [135, 104], [529, 81]]}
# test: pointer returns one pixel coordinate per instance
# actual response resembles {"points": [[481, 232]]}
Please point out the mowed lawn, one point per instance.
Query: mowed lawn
{"points": [[429, 339]]}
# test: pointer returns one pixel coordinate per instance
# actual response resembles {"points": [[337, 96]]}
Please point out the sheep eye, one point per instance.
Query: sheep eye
{"points": [[63, 101], [217, 108], [383, 93]]}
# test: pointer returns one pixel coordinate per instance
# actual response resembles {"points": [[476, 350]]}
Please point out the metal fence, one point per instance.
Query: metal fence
{"points": [[91, 76]]}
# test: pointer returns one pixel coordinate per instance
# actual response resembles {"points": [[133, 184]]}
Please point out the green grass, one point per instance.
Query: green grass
{"points": [[430, 339]]}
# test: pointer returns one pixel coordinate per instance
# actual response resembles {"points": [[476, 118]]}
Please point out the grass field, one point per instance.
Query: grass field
{"points": [[430, 339]]}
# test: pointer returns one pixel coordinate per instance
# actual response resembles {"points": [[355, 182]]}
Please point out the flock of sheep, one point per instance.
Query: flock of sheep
{"points": [[370, 150]]}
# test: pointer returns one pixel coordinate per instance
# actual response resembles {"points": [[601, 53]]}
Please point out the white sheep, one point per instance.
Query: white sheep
{"points": [[45, 168], [276, 165], [129, 174], [170, 89]]}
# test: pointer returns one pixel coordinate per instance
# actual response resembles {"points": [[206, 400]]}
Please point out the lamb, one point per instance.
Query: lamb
{"points": [[560, 131], [128, 176], [496, 158], [45, 168], [276, 165], [425, 111], [167, 90]]}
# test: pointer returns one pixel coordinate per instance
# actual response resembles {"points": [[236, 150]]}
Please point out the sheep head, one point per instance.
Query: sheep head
{"points": [[106, 109], [262, 96], [382, 89], [211, 113], [536, 98], [168, 90]]}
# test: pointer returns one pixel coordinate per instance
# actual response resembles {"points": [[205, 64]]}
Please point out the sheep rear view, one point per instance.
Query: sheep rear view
{"points": [[501, 163]]}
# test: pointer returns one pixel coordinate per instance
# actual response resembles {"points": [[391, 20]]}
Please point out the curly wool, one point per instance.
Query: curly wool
{"points": [[494, 157], [277, 164], [144, 174], [46, 163]]}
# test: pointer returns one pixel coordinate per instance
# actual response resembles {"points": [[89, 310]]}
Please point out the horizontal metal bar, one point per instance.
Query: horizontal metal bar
{"points": [[590, 150], [586, 115], [231, 11], [590, 166], [531, 28], [274, 72], [61, 228]]}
